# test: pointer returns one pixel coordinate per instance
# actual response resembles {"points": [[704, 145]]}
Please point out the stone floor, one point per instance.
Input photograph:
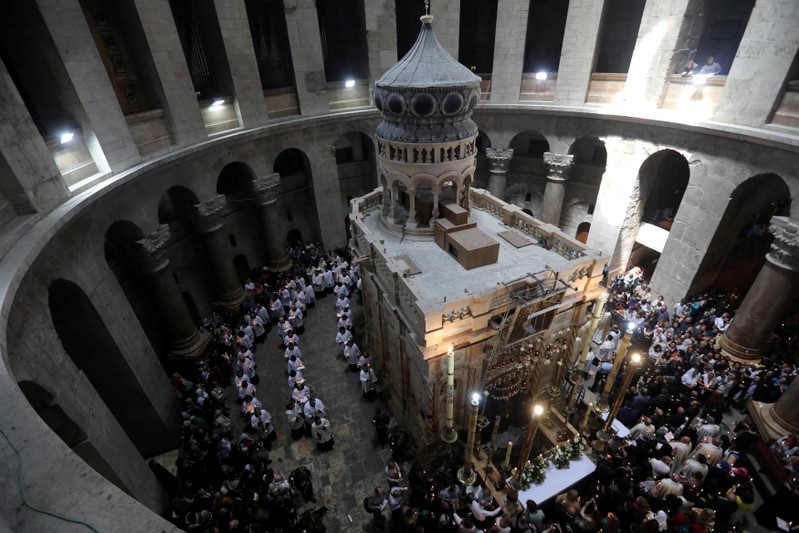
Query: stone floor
{"points": [[350, 472]]}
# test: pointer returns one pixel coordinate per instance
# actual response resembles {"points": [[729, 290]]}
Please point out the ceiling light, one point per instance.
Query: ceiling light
{"points": [[349, 84], [540, 75], [66, 137], [218, 102]]}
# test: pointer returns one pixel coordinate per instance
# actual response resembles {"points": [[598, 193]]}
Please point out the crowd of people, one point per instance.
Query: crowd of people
{"points": [[224, 481], [680, 468]]}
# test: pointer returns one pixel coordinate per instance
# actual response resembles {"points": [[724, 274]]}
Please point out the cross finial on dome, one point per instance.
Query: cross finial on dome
{"points": [[427, 18]]}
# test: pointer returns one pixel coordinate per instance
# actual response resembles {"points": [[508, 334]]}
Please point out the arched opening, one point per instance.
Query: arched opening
{"points": [[482, 164], [233, 177], [739, 246], [120, 253], [240, 214], [662, 180], [43, 402], [526, 172], [583, 229], [529, 144], [242, 266], [356, 166], [296, 192], [585, 177], [294, 238], [191, 305], [93, 350]]}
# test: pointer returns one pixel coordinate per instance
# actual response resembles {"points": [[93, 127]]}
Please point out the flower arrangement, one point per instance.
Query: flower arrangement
{"points": [[535, 472], [568, 452]]}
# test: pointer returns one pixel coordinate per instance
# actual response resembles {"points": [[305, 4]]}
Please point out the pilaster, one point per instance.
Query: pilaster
{"points": [[75, 44], [179, 101], [506, 80], [761, 65], [306, 56], [558, 170], [237, 40], [580, 40]]}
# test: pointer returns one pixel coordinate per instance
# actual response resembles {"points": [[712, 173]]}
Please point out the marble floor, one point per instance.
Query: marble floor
{"points": [[343, 477]]}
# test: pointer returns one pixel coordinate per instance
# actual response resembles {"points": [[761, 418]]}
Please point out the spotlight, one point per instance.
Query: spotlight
{"points": [[66, 137], [699, 80], [349, 84], [218, 102], [540, 75]]}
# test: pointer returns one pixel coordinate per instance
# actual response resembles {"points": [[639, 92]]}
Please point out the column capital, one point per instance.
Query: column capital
{"points": [[206, 214], [499, 159], [148, 253], [558, 166], [265, 187], [785, 246]]}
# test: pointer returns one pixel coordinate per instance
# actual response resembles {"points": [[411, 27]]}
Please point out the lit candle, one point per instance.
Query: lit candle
{"points": [[507, 453], [588, 413]]}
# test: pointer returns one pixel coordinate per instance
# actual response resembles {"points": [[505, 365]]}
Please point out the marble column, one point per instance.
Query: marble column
{"points": [[766, 302], [411, 221], [497, 178], [265, 190], [775, 420], [186, 340], [558, 167], [434, 216], [230, 294]]}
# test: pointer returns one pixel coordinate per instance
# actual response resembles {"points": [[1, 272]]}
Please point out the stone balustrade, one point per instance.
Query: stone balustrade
{"points": [[426, 154]]}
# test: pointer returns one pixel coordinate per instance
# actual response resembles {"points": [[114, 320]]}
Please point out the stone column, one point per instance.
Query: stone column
{"points": [[669, 34], [381, 36], [411, 222], [775, 420], [558, 167], [497, 178], [447, 15], [180, 104], [580, 40], [761, 66], [30, 178], [306, 56], [265, 190], [108, 140], [186, 340], [509, 40], [434, 215], [771, 294], [237, 40], [230, 294], [327, 194]]}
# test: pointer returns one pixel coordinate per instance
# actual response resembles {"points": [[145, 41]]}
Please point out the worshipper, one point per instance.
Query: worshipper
{"points": [[294, 417], [393, 474], [375, 504], [314, 407], [483, 517], [368, 378], [322, 433], [352, 354]]}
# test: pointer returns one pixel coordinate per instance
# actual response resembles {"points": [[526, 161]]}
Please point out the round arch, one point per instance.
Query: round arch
{"points": [[296, 200], [529, 143], [177, 202], [740, 243], [233, 177]]}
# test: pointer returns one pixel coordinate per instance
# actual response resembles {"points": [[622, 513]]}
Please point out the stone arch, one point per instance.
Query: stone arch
{"points": [[589, 150], [119, 247], [661, 183], [482, 142], [741, 240], [296, 192], [175, 204], [233, 178], [529, 143], [45, 405], [583, 229], [575, 214], [356, 166], [93, 350]]}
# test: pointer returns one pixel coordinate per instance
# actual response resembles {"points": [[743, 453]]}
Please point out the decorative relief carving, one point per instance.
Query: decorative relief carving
{"points": [[206, 214], [455, 315], [148, 253], [499, 159], [558, 166], [785, 247], [266, 187]]}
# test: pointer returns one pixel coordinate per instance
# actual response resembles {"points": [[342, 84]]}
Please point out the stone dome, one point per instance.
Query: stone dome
{"points": [[427, 96]]}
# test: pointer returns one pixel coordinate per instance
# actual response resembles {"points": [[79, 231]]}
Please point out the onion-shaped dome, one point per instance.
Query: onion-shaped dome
{"points": [[427, 97]]}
